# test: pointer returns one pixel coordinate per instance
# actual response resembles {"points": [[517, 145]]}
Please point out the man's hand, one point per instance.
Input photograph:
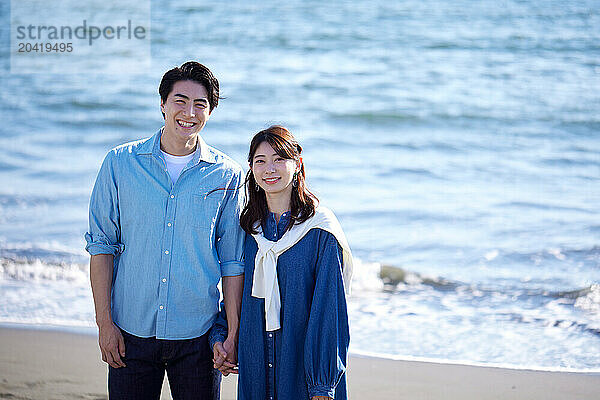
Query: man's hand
{"points": [[110, 339], [232, 297], [112, 344], [221, 359], [230, 347]]}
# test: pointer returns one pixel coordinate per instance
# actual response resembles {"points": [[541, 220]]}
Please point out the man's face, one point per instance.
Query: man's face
{"points": [[186, 110]]}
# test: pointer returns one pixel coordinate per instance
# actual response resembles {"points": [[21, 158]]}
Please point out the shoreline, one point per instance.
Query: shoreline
{"points": [[92, 331], [442, 361], [41, 363]]}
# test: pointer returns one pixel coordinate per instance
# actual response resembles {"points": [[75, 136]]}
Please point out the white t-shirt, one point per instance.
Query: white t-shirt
{"points": [[176, 164]]}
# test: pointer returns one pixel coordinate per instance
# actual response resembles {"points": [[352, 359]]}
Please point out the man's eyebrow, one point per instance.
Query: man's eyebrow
{"points": [[202, 99]]}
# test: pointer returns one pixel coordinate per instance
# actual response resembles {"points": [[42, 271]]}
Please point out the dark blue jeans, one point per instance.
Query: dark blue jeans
{"points": [[188, 364]]}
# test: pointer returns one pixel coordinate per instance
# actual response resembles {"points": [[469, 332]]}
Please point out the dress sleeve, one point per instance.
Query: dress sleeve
{"points": [[328, 336], [230, 236], [218, 332], [104, 234]]}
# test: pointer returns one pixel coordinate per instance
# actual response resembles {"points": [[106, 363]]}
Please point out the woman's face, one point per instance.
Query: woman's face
{"points": [[273, 173]]}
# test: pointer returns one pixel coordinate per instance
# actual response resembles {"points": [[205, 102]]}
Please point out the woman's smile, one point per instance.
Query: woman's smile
{"points": [[271, 180]]}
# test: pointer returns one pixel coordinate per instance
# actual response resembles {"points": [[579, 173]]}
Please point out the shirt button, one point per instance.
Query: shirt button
{"points": [[270, 365], [161, 307], [270, 335], [169, 224], [164, 279], [166, 251], [172, 196]]}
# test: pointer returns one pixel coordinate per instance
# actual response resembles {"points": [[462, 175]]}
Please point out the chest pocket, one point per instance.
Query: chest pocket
{"points": [[206, 206]]}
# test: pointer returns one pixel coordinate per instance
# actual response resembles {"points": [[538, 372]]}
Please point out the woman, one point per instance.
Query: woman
{"points": [[293, 335]]}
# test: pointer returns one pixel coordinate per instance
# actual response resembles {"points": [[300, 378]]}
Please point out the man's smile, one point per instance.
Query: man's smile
{"points": [[185, 124]]}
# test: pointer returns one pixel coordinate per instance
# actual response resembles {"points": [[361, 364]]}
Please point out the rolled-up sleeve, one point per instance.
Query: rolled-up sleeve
{"points": [[230, 236], [327, 336], [103, 236]]}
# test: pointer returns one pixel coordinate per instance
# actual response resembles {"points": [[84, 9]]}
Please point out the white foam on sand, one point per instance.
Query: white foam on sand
{"points": [[367, 354]]}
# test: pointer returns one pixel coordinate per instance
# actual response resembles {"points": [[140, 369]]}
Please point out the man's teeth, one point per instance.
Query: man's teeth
{"points": [[186, 124]]}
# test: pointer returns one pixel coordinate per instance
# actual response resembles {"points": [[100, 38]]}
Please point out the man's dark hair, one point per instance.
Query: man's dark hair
{"points": [[191, 71]]}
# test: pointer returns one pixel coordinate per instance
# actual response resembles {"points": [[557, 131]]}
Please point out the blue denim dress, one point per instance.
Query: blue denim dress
{"points": [[307, 356]]}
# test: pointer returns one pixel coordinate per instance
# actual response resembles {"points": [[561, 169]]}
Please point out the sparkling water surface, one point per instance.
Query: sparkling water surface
{"points": [[457, 141]]}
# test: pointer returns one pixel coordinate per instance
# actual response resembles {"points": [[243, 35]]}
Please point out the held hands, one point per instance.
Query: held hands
{"points": [[321, 398], [111, 344], [225, 357]]}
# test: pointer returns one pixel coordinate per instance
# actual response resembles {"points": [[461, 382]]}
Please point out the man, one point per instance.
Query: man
{"points": [[164, 229]]}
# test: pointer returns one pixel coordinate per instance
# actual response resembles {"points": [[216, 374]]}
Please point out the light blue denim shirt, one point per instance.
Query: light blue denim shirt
{"points": [[172, 242]]}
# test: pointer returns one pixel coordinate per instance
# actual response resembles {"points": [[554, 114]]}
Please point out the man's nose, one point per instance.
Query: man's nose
{"points": [[190, 110]]}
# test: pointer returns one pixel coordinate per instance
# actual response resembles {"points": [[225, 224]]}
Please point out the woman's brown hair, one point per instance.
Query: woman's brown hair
{"points": [[303, 202]]}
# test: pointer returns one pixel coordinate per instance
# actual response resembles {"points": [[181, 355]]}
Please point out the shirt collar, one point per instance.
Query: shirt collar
{"points": [[272, 229], [152, 146]]}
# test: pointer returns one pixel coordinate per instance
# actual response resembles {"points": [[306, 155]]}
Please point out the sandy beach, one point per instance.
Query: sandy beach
{"points": [[40, 364]]}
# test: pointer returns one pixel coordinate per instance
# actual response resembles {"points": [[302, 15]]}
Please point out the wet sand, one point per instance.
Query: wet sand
{"points": [[48, 365]]}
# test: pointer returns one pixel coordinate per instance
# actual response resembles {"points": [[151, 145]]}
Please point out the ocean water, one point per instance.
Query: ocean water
{"points": [[458, 143]]}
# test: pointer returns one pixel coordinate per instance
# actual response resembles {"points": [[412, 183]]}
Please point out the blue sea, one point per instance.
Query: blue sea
{"points": [[458, 142]]}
